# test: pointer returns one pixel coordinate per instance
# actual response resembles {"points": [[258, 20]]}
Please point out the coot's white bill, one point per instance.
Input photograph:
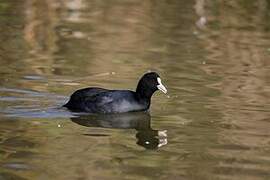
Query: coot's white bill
{"points": [[160, 86]]}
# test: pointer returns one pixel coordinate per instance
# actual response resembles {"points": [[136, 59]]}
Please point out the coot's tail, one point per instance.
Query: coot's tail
{"points": [[68, 105], [73, 106]]}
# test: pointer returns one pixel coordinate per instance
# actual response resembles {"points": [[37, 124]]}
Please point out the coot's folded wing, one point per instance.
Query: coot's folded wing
{"points": [[98, 103]]}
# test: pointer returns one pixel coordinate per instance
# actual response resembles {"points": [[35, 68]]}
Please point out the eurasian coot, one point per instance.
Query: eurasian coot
{"points": [[105, 101]]}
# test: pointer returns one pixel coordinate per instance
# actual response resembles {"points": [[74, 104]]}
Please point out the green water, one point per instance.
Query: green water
{"points": [[213, 57]]}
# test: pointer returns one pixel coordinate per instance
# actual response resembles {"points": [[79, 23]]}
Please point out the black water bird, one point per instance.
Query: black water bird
{"points": [[105, 101]]}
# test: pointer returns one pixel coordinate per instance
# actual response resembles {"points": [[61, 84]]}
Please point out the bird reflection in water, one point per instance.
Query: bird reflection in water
{"points": [[141, 121]]}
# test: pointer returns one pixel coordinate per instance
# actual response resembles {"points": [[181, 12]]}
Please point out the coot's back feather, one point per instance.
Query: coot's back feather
{"points": [[77, 99]]}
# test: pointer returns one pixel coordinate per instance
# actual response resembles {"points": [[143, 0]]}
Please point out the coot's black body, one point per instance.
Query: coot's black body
{"points": [[104, 101]]}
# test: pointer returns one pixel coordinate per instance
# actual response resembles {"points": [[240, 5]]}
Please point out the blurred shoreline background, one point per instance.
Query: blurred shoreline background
{"points": [[214, 57]]}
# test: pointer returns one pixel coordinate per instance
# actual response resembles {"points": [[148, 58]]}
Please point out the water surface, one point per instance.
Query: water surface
{"points": [[212, 56]]}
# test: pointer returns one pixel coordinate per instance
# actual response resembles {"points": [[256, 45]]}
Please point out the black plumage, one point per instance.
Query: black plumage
{"points": [[99, 100]]}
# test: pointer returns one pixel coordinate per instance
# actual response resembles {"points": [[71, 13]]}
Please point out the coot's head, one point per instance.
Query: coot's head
{"points": [[148, 84]]}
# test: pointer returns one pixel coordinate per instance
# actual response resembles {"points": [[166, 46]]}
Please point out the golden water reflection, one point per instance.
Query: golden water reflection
{"points": [[213, 56]]}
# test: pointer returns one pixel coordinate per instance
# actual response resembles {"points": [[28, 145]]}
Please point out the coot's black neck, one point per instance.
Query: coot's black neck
{"points": [[143, 92]]}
